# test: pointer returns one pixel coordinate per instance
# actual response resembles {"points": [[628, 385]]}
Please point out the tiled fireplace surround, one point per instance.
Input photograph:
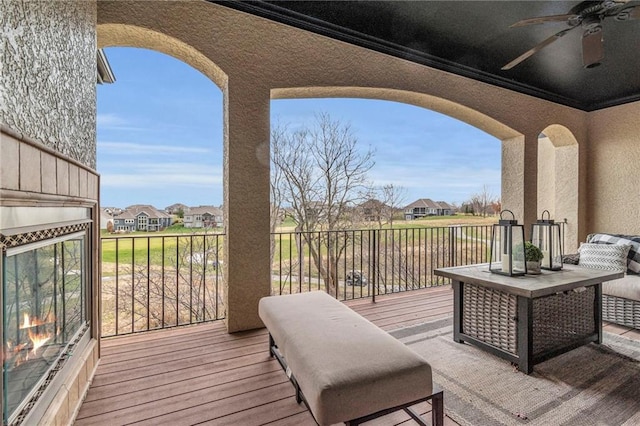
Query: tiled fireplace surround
{"points": [[34, 176]]}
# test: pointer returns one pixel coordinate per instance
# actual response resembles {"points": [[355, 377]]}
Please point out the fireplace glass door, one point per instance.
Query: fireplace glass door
{"points": [[44, 310]]}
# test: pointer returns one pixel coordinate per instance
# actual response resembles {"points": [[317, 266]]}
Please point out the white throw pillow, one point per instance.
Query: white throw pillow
{"points": [[604, 256]]}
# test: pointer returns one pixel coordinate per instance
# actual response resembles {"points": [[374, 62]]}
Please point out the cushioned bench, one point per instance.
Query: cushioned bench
{"points": [[343, 367]]}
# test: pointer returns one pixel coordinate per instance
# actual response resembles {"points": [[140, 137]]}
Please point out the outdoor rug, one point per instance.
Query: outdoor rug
{"points": [[591, 385]]}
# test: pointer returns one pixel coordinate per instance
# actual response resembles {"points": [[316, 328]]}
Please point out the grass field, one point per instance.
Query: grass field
{"points": [[150, 246], [134, 247]]}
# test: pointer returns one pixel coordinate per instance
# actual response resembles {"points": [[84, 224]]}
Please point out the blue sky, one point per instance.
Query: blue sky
{"points": [[160, 138]]}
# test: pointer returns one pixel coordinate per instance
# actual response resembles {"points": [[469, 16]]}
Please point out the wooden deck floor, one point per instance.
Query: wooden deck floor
{"points": [[200, 374]]}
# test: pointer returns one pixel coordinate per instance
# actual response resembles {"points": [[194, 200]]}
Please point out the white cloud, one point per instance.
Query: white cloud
{"points": [[137, 148], [453, 184], [168, 176], [109, 120]]}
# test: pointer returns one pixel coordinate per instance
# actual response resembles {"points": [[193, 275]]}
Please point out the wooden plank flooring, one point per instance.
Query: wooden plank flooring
{"points": [[200, 374], [203, 375]]}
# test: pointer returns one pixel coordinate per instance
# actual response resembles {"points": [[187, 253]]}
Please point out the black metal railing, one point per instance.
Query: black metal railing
{"points": [[153, 282], [160, 281], [353, 264]]}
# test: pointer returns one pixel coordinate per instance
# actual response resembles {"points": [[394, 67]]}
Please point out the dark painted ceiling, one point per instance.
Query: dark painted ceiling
{"points": [[474, 39]]}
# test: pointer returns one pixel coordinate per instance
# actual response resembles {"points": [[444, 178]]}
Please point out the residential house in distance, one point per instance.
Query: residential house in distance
{"points": [[203, 217], [175, 208], [373, 210], [107, 214], [427, 207], [112, 211], [141, 217], [105, 218]]}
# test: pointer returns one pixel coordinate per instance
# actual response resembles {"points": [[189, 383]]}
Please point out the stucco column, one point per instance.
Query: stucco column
{"points": [[520, 178], [246, 203]]}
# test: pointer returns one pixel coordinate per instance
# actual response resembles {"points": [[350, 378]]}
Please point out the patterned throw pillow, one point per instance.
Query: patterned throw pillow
{"points": [[610, 257], [571, 259], [633, 258]]}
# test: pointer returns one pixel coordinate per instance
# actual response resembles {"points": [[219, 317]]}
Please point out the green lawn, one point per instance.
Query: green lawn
{"points": [[175, 239], [139, 248], [177, 228]]}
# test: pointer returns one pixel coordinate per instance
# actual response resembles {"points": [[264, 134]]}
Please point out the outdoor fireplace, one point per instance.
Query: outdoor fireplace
{"points": [[44, 314]]}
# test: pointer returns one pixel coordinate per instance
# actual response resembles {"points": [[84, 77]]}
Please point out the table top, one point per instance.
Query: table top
{"points": [[532, 286]]}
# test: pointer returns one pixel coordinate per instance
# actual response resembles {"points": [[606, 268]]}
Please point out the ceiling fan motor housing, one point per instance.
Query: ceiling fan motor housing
{"points": [[588, 15]]}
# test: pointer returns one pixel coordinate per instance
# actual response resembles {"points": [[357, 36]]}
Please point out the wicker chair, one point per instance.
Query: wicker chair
{"points": [[621, 297]]}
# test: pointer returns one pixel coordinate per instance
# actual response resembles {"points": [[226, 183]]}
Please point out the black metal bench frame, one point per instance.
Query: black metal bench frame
{"points": [[437, 398]]}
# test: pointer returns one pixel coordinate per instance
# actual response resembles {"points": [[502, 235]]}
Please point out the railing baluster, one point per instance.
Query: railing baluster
{"points": [[148, 283], [133, 281], [291, 267], [419, 257], [177, 280], [191, 279], [205, 262], [386, 260], [280, 264], [401, 258], [117, 315], [163, 281], [216, 316]]}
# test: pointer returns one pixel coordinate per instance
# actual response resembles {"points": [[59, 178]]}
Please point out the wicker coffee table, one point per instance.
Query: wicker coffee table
{"points": [[527, 319]]}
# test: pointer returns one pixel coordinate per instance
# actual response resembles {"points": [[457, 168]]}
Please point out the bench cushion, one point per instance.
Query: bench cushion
{"points": [[345, 366]]}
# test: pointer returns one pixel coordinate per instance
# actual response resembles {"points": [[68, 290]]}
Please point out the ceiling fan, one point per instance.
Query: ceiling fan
{"points": [[587, 15]]}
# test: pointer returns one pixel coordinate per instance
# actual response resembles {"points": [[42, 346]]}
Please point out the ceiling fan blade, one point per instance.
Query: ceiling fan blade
{"points": [[543, 19], [592, 48], [535, 49]]}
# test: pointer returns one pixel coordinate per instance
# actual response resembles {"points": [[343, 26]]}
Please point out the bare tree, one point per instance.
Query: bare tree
{"points": [[496, 206], [393, 197], [482, 202], [381, 205], [322, 171], [278, 133]]}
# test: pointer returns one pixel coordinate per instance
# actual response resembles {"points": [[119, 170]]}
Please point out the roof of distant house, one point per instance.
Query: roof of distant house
{"points": [[430, 204], [212, 210], [149, 210], [445, 205], [372, 203], [104, 215], [125, 215], [176, 206]]}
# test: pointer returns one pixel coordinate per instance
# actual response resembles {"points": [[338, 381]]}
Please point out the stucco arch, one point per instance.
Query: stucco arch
{"points": [[444, 106], [558, 179], [259, 61], [513, 167], [124, 35]]}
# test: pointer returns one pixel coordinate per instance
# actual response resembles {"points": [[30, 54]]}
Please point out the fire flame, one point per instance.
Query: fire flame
{"points": [[28, 322], [12, 351], [38, 339]]}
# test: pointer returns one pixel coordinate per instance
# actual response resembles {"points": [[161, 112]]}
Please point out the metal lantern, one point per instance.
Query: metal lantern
{"points": [[546, 235], [507, 247]]}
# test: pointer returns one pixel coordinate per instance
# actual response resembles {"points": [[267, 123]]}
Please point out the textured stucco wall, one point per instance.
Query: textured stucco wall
{"points": [[558, 189], [546, 175], [48, 74], [47, 141], [257, 56], [613, 164]]}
